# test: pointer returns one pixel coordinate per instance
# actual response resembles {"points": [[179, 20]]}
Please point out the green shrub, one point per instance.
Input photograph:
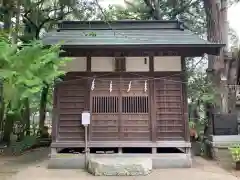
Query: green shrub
{"points": [[235, 152]]}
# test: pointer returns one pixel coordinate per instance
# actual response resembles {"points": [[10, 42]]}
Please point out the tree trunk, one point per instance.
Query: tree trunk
{"points": [[25, 119], [8, 128], [16, 29], [212, 10], [1, 109], [43, 106], [26, 116], [1, 120], [7, 15], [5, 125], [232, 79], [157, 9], [216, 65]]}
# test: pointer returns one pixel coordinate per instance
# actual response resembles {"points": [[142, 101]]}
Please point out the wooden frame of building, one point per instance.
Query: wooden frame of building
{"points": [[131, 77]]}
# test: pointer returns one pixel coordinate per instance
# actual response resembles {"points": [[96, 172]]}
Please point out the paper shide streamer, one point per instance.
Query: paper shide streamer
{"points": [[145, 86], [93, 85], [110, 87], [129, 86]]}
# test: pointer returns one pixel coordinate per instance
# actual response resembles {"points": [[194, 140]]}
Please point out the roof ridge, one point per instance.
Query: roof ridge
{"points": [[125, 21], [120, 25]]}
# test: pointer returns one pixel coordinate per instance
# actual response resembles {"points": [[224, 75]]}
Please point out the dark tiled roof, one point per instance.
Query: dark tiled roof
{"points": [[124, 33]]}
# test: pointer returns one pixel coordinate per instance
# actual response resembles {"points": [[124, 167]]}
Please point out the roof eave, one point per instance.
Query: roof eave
{"points": [[192, 49], [144, 45]]}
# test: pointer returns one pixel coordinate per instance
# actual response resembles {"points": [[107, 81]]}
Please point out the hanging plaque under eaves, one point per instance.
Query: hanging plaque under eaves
{"points": [[225, 124]]}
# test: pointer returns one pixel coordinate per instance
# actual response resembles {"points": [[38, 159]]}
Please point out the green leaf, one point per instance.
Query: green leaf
{"points": [[26, 71]]}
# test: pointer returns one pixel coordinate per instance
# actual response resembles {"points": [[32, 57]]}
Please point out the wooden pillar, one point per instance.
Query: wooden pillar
{"points": [[120, 66], [119, 150], [185, 100], [88, 101], [120, 120], [154, 150], [54, 151], [55, 114], [88, 83], [152, 101]]}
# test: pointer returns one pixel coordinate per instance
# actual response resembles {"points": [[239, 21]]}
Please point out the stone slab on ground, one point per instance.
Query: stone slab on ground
{"points": [[120, 166]]}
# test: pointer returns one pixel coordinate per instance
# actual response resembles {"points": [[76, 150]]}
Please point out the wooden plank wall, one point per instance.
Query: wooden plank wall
{"points": [[118, 121], [169, 109], [70, 107]]}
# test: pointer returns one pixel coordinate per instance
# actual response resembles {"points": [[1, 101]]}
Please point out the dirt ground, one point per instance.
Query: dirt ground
{"points": [[10, 166], [33, 166]]}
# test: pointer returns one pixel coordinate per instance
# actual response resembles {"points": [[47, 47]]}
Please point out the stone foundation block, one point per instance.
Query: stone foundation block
{"points": [[115, 166]]}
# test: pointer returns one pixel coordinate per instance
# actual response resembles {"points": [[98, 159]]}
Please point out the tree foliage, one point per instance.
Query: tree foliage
{"points": [[40, 16], [135, 10], [27, 20], [191, 12], [27, 69]]}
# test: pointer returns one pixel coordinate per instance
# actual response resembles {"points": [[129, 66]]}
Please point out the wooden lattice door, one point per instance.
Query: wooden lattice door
{"points": [[135, 117], [123, 113], [105, 110]]}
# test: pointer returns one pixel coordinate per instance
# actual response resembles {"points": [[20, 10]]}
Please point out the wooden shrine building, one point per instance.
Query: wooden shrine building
{"points": [[130, 75]]}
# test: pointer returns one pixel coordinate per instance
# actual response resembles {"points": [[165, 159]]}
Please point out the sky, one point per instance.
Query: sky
{"points": [[233, 18], [233, 13]]}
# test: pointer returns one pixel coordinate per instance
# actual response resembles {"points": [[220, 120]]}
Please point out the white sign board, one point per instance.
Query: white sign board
{"points": [[86, 118]]}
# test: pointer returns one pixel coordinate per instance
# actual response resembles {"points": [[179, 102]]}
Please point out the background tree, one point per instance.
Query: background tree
{"points": [[37, 17], [24, 71], [27, 20]]}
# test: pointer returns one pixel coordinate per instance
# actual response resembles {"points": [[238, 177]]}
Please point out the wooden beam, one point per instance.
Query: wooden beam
{"points": [[179, 143], [89, 63], [143, 51]]}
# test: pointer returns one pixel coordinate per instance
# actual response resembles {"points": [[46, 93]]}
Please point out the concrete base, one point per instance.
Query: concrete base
{"points": [[224, 141], [119, 166], [219, 148], [159, 161]]}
